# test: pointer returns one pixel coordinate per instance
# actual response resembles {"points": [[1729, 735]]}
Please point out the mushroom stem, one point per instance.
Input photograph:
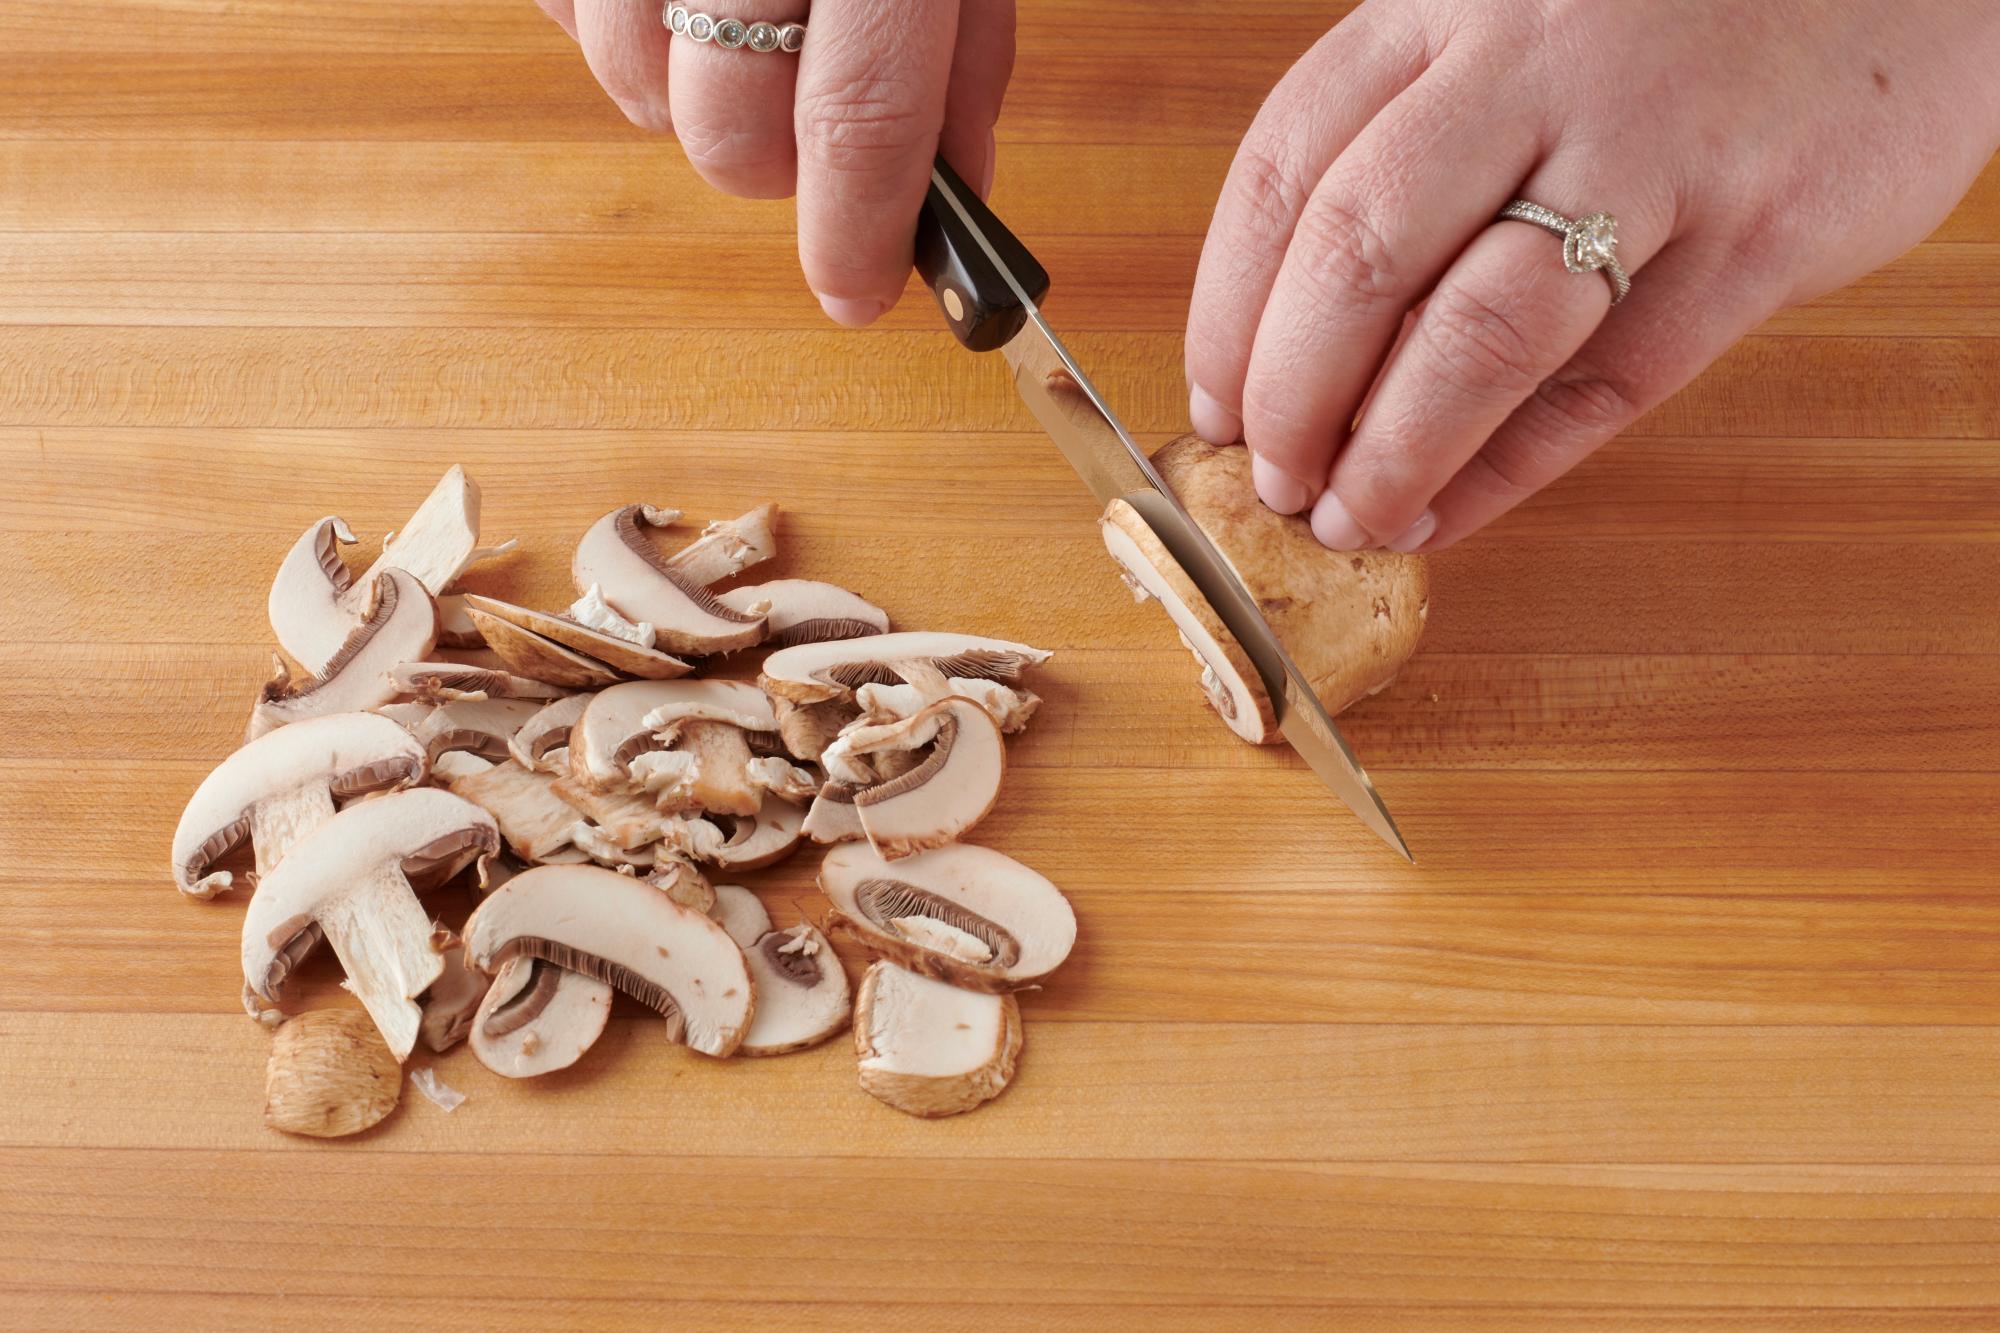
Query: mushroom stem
{"points": [[281, 820]]}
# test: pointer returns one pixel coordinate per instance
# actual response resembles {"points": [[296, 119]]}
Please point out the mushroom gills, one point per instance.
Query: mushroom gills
{"points": [[937, 924], [946, 794], [441, 682], [450, 1003], [802, 995], [814, 672], [929, 1049]]}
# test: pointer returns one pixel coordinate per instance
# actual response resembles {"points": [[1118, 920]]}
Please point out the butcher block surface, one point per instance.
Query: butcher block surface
{"points": [[1690, 1005]]}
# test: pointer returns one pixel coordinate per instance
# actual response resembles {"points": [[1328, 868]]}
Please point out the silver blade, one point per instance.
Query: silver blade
{"points": [[1098, 446]]}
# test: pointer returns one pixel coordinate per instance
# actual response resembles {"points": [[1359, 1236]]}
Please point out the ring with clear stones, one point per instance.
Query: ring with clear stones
{"points": [[1590, 245], [735, 34]]}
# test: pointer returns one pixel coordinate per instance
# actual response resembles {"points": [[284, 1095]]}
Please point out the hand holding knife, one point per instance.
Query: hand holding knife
{"points": [[989, 287]]}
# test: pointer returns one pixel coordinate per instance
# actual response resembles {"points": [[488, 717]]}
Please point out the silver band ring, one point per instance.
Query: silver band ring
{"points": [[1590, 245], [735, 34]]}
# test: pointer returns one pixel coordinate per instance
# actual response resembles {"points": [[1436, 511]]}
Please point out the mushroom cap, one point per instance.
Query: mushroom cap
{"points": [[537, 1018], [813, 672], [948, 792], [595, 646], [619, 723], [623, 931], [400, 627], [802, 995], [805, 611], [547, 730], [1350, 618], [643, 586], [484, 727], [350, 754], [741, 913], [305, 601], [351, 876], [532, 655], [929, 1049], [967, 915]]}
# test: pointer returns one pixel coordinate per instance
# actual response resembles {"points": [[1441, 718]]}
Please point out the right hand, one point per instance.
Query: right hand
{"points": [[850, 124]]}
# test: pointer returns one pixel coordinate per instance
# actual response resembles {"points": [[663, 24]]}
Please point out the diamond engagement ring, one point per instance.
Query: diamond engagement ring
{"points": [[1590, 245], [734, 33]]}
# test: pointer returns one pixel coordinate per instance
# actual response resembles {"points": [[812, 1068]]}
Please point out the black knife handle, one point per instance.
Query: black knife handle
{"points": [[977, 302]]}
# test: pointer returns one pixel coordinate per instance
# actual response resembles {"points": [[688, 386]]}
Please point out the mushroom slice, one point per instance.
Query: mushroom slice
{"points": [[537, 1018], [455, 627], [548, 731], [304, 606], [450, 1002], [441, 682], [329, 1075], [623, 931], [802, 996], [619, 558], [929, 1049], [964, 914], [537, 823], [349, 877], [802, 611], [281, 786], [1352, 618], [945, 794], [620, 723], [719, 778], [595, 645], [807, 729], [441, 539], [401, 627], [741, 913], [833, 816], [529, 654], [1010, 708], [729, 546], [479, 726], [786, 781], [813, 672], [765, 838]]}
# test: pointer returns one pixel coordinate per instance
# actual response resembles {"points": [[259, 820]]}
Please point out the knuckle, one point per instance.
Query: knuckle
{"points": [[1477, 348], [865, 124], [1343, 260], [1272, 192], [1585, 403]]}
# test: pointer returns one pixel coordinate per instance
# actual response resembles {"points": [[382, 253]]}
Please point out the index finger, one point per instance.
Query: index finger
{"points": [[871, 99]]}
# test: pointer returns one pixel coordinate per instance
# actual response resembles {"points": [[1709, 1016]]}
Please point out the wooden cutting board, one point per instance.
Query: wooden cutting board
{"points": [[1690, 1002]]}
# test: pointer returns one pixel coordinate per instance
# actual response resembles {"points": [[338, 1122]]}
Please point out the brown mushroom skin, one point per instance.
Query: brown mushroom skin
{"points": [[1350, 618]]}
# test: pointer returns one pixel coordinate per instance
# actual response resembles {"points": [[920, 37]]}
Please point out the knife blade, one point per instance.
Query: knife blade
{"points": [[989, 288]]}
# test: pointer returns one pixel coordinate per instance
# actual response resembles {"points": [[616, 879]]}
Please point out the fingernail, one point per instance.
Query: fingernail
{"points": [[1417, 534], [992, 158], [1278, 489], [1336, 528], [854, 313], [1214, 422]]}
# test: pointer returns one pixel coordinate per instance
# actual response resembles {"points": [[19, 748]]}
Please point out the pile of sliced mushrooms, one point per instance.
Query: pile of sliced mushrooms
{"points": [[595, 768]]}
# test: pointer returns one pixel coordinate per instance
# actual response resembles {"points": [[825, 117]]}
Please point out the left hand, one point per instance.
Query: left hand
{"points": [[1755, 156]]}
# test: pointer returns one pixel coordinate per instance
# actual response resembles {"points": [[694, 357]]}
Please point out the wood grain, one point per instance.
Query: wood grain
{"points": [[1688, 1013]]}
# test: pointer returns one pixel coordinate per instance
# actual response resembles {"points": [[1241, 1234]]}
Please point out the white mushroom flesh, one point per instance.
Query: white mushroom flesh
{"points": [[803, 611], [401, 627], [624, 721], [537, 1018], [619, 558], [548, 731], [535, 821], [741, 913], [592, 611], [813, 672], [929, 1049]]}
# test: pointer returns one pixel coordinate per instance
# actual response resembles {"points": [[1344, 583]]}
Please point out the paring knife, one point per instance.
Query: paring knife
{"points": [[990, 288]]}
